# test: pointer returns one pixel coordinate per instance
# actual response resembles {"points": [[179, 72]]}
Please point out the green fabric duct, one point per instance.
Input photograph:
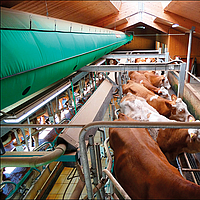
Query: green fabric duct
{"points": [[34, 59]]}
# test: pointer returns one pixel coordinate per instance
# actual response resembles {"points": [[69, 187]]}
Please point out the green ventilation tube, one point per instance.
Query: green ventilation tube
{"points": [[37, 51]]}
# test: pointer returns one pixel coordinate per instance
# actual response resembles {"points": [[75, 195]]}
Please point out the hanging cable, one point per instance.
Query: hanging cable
{"points": [[46, 8]]}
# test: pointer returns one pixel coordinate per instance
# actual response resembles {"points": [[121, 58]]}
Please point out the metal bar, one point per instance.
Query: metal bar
{"points": [[108, 155], [17, 137], [111, 81], [35, 161], [107, 124], [139, 51], [95, 81], [99, 167], [166, 56], [181, 81], [70, 99], [190, 170], [116, 184], [189, 51], [132, 67], [93, 163], [179, 166], [193, 76], [74, 97], [119, 56], [188, 163], [79, 77], [57, 106], [25, 138], [30, 137], [2, 149], [120, 86], [52, 113]]}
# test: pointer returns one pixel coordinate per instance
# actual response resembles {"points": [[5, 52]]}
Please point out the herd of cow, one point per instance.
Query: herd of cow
{"points": [[141, 161]]}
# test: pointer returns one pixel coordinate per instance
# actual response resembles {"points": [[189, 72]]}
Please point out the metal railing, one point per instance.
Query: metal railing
{"points": [[102, 124]]}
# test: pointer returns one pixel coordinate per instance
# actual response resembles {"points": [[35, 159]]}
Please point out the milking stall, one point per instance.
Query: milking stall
{"points": [[100, 100]]}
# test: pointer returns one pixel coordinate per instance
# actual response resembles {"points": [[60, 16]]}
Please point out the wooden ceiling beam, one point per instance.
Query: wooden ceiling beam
{"points": [[144, 18], [184, 22], [127, 9], [118, 23], [131, 21], [156, 9]]}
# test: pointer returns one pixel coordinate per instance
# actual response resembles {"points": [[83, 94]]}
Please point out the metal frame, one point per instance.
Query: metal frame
{"points": [[167, 66], [103, 124]]}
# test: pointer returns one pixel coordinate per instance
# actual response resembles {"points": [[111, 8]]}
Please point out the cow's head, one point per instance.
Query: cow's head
{"points": [[194, 134], [165, 82], [193, 140], [164, 93], [179, 111]]}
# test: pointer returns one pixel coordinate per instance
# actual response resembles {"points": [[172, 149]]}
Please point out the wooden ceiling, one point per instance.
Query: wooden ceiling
{"points": [[119, 15]]}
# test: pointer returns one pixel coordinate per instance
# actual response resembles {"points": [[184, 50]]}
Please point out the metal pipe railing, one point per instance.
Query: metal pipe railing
{"points": [[188, 163], [93, 163], [99, 167], [110, 176], [33, 161], [193, 76], [104, 124], [116, 184]]}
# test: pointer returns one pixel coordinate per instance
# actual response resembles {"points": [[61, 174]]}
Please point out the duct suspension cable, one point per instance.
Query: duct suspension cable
{"points": [[46, 8]]}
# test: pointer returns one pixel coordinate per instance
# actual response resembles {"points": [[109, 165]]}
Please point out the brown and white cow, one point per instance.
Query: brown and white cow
{"points": [[175, 109], [157, 80], [172, 142], [143, 170], [141, 78], [163, 106], [137, 108]]}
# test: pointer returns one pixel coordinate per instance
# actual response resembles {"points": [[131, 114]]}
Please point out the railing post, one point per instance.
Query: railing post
{"points": [[181, 82], [93, 163], [97, 146], [120, 85], [73, 97], [189, 52]]}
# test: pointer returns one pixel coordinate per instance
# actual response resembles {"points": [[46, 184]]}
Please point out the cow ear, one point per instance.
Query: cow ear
{"points": [[168, 104], [173, 97], [191, 118]]}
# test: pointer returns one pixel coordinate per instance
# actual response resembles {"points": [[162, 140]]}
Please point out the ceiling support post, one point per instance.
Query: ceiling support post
{"points": [[181, 81], [189, 52]]}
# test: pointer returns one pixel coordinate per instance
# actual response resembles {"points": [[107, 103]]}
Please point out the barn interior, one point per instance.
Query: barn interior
{"points": [[63, 65]]}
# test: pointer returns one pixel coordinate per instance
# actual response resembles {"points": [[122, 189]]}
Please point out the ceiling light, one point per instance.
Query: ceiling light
{"points": [[142, 27], [175, 25]]}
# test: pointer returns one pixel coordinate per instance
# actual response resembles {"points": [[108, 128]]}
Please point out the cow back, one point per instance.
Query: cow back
{"points": [[142, 169]]}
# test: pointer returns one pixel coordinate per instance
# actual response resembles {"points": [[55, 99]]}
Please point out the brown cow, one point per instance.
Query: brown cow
{"points": [[141, 78], [156, 79], [143, 170], [175, 141]]}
